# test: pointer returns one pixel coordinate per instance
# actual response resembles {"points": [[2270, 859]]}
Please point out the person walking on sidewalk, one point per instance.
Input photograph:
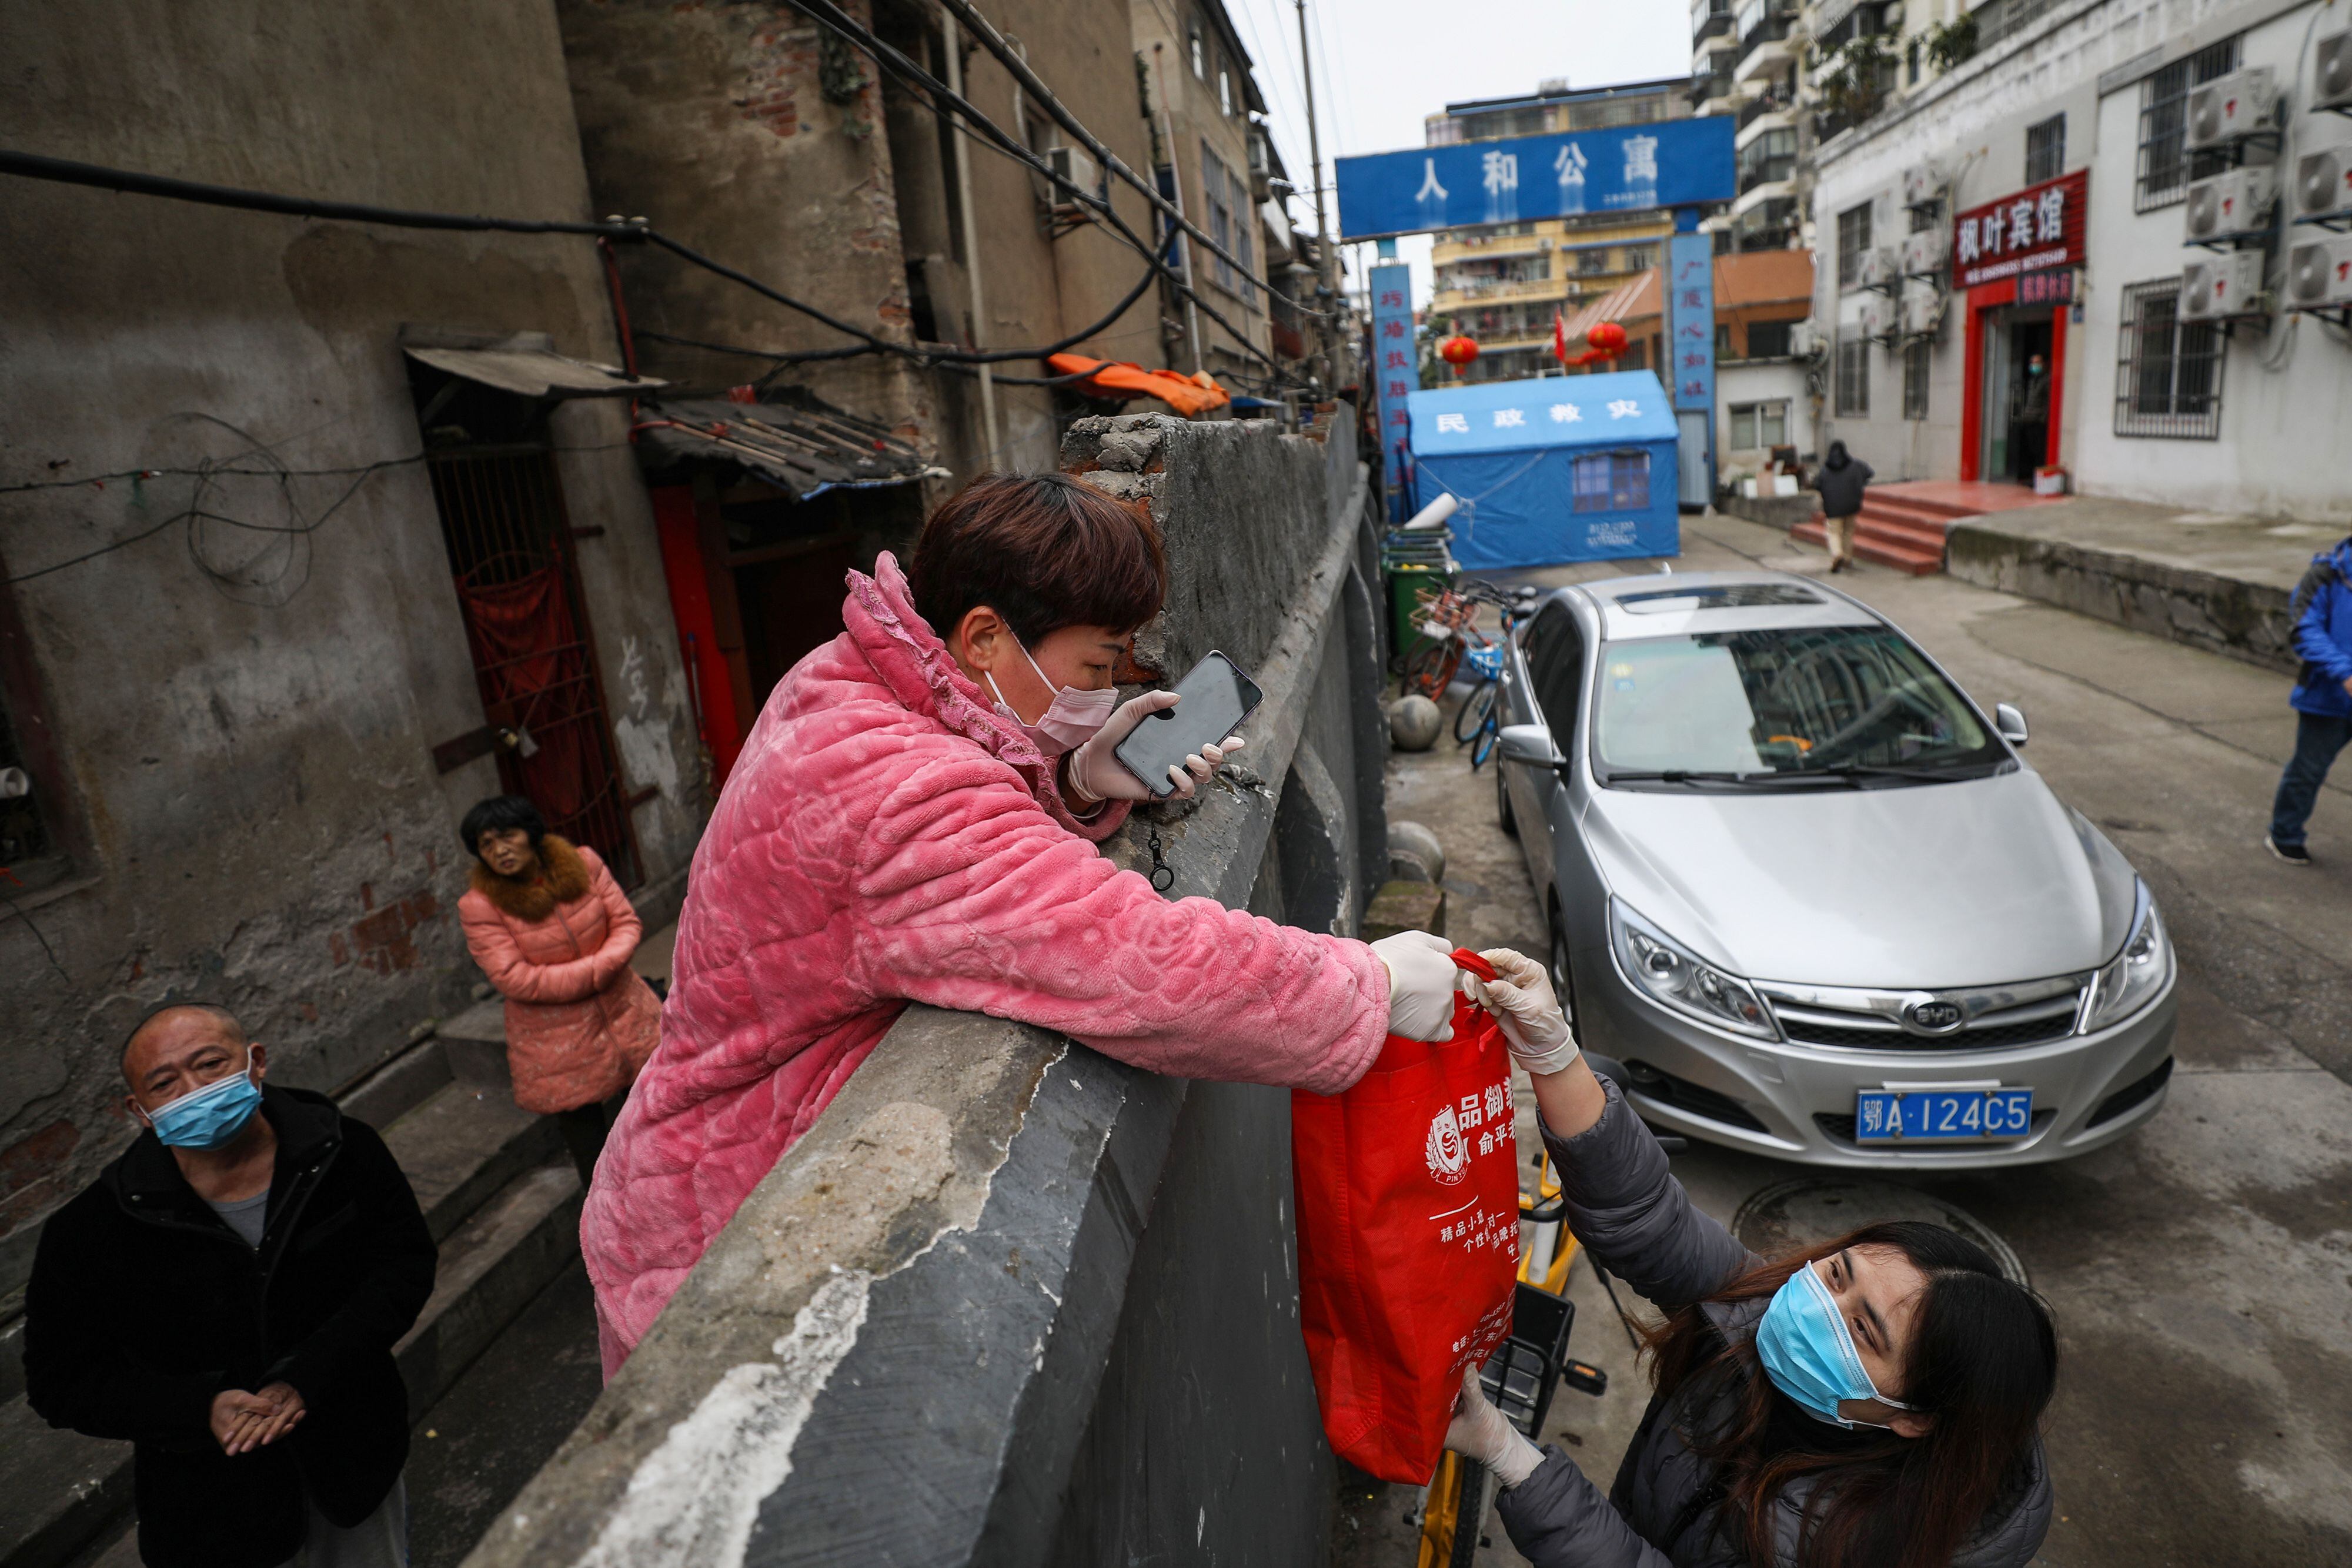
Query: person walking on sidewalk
{"points": [[2321, 615], [225, 1296], [2029, 423], [554, 934], [1839, 480]]}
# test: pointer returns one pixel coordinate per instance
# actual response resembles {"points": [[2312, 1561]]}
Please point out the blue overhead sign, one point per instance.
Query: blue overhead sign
{"points": [[1670, 163]]}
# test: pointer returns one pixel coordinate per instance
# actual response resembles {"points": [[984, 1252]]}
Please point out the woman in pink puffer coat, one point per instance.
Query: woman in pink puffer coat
{"points": [[914, 819]]}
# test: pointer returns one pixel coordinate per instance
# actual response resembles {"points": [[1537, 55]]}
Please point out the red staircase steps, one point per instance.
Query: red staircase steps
{"points": [[1903, 533]]}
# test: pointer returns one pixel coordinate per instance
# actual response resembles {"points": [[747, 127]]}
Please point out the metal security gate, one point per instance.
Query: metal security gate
{"points": [[511, 550]]}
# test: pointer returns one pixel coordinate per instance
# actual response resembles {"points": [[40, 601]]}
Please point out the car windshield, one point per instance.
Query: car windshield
{"points": [[1772, 706]]}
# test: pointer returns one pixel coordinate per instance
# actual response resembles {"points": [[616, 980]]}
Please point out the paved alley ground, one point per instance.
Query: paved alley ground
{"points": [[2201, 1270]]}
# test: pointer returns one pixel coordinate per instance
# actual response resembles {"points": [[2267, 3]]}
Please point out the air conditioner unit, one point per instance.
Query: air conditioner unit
{"points": [[1805, 340], [2234, 202], [2213, 286], [2323, 182], [1925, 252], [2319, 272], [1922, 186], [2331, 78], [1923, 312], [1878, 266], [1077, 166], [1877, 319], [2233, 107]]}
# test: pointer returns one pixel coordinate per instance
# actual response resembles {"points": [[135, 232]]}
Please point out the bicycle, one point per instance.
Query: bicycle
{"points": [[1450, 633], [1476, 723], [1521, 1377]]}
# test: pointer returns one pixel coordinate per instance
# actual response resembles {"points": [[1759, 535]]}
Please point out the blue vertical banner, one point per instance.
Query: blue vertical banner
{"points": [[1396, 369], [1690, 296]]}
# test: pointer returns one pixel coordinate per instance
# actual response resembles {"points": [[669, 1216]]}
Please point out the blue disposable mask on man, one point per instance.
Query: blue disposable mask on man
{"points": [[1808, 1351], [208, 1117]]}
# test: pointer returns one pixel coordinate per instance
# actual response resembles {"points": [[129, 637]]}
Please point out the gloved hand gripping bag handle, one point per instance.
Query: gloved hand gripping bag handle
{"points": [[1465, 959]]}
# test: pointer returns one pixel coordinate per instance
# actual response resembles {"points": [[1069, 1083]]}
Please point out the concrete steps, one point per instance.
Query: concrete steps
{"points": [[1900, 531], [500, 1199]]}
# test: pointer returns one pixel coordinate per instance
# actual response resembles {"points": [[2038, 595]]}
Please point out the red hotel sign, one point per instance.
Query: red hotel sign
{"points": [[2036, 228]]}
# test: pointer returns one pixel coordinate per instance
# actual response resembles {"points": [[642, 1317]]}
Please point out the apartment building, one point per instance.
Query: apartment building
{"points": [[1502, 285], [2186, 358]]}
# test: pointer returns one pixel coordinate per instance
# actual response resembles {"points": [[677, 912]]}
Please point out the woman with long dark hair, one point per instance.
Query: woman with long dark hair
{"points": [[1872, 1402]]}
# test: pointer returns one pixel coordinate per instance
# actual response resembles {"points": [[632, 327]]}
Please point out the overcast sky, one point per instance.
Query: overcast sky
{"points": [[1381, 65]]}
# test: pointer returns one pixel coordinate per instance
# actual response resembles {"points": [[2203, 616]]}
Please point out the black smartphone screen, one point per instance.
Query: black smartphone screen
{"points": [[1217, 697]]}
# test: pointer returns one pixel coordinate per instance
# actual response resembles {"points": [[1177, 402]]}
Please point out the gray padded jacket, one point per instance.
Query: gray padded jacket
{"points": [[1633, 1217]]}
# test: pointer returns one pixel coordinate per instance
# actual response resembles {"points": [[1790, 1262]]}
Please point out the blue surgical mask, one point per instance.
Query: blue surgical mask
{"points": [[1808, 1351], [208, 1117]]}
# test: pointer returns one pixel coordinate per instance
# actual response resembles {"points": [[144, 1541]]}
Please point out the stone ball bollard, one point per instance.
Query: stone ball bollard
{"points": [[1414, 724], [1415, 853]]}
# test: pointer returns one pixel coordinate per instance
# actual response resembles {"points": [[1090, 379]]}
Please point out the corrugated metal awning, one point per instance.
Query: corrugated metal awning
{"points": [[526, 364], [807, 451]]}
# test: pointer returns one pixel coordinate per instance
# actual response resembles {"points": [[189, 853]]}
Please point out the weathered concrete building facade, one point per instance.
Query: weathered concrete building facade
{"points": [[274, 584]]}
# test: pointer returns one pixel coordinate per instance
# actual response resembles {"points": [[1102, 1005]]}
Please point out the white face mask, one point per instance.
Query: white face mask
{"points": [[1068, 722]]}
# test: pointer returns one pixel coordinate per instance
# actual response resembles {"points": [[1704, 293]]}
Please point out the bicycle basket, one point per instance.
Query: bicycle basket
{"points": [[1486, 664]]}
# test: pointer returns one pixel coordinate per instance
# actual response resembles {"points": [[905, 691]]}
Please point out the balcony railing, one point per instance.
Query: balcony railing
{"points": [[1532, 288], [1770, 29], [1766, 171], [1711, 85], [1757, 108], [1715, 27]]}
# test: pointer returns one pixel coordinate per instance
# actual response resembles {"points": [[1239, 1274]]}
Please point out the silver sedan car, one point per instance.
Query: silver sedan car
{"points": [[1803, 889]]}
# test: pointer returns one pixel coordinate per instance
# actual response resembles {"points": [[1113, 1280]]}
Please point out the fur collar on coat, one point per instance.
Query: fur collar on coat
{"points": [[563, 879]]}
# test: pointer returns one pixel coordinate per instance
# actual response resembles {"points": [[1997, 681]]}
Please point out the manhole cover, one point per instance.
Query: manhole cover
{"points": [[1814, 1209]]}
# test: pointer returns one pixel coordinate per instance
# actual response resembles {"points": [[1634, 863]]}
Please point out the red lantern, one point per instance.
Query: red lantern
{"points": [[1607, 338], [1457, 351]]}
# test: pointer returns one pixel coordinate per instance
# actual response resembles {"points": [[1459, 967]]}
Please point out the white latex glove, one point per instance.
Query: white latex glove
{"points": [[1096, 775], [1520, 997], [1422, 982], [1479, 1431]]}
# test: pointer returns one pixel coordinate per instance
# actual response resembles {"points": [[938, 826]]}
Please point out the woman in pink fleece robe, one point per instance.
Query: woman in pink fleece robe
{"points": [[891, 835]]}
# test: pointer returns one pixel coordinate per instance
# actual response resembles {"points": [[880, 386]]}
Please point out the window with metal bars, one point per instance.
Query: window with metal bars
{"points": [[1853, 242], [2168, 371], [1611, 482], [1915, 379], [1219, 197], [1854, 375], [2166, 165], [2045, 149]]}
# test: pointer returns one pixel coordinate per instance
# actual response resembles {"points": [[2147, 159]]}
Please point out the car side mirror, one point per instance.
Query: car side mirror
{"points": [[1530, 743], [2008, 719]]}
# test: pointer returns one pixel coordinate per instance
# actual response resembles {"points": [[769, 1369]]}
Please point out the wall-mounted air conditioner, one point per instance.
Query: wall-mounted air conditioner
{"points": [[1922, 186], [2233, 107], [1923, 252], [2331, 77], [1879, 265], [2323, 182], [1923, 312], [2229, 284], [1877, 319], [2233, 202], [1805, 340], [2319, 272], [1077, 166]]}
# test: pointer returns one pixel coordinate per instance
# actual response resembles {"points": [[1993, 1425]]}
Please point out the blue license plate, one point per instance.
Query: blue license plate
{"points": [[1971, 1114]]}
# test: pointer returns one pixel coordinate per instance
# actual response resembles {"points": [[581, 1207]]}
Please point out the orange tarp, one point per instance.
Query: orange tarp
{"points": [[1188, 395]]}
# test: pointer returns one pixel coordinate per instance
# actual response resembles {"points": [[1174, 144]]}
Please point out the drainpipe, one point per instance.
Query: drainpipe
{"points": [[971, 241], [1184, 243]]}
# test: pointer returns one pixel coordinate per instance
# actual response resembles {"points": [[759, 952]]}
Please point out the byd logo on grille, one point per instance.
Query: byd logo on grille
{"points": [[1933, 1015]]}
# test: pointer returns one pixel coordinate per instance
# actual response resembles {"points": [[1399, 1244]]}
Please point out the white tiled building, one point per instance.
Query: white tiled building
{"points": [[2246, 416]]}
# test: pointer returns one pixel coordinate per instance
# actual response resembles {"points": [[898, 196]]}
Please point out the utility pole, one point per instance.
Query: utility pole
{"points": [[970, 243], [1327, 282]]}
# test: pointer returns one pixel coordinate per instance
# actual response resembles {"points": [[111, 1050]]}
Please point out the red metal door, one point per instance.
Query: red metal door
{"points": [[511, 548]]}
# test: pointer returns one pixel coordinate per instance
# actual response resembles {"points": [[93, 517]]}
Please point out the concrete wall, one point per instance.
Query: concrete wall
{"points": [[244, 721], [1011, 1300]]}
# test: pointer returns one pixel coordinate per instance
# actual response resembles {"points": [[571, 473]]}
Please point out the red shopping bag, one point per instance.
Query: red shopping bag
{"points": [[1408, 1237]]}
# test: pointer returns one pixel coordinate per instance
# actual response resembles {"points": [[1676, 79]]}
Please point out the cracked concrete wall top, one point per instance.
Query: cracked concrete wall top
{"points": [[946, 1324], [238, 725]]}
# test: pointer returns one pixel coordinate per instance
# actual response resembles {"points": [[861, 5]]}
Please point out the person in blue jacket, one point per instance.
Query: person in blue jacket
{"points": [[2322, 618]]}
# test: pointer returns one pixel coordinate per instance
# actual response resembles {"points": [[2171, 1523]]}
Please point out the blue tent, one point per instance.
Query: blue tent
{"points": [[1566, 468]]}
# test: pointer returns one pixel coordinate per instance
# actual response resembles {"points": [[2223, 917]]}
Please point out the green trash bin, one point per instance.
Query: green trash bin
{"points": [[1406, 582]]}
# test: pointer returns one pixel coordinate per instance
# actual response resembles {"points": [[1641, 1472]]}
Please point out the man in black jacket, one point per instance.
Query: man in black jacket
{"points": [[227, 1296]]}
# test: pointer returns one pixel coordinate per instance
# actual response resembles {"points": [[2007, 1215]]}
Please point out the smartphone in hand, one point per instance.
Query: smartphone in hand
{"points": [[1218, 695]]}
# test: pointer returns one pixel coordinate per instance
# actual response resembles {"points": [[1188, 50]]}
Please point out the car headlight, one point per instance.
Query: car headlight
{"points": [[1669, 975], [2133, 976]]}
